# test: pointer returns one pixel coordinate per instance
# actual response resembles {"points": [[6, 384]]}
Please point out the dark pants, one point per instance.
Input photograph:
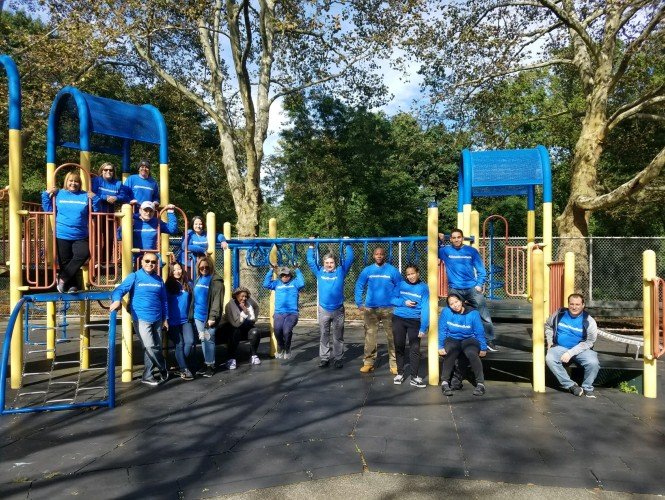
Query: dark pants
{"points": [[72, 254], [404, 328], [284, 325], [470, 347], [246, 331]]}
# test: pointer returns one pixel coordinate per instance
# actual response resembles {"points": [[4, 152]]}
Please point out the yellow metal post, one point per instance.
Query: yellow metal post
{"points": [[84, 310], [433, 286], [466, 220], [547, 250], [568, 276], [127, 338], [227, 265], [529, 273], [50, 261], [460, 220], [165, 244], [475, 229], [15, 266], [272, 233], [650, 376], [211, 234], [531, 226], [538, 325]]}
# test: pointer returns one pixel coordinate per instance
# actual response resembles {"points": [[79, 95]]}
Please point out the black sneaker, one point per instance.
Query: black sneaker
{"points": [[165, 377], [491, 346], [445, 388], [418, 382], [209, 371], [479, 390], [201, 371], [324, 363], [590, 394], [186, 375], [338, 364], [576, 390], [150, 381]]}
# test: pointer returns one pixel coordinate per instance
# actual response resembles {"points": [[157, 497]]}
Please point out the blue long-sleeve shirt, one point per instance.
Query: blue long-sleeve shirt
{"points": [[197, 244], [143, 189], [464, 266], [380, 282], [286, 294], [144, 233], [147, 294], [461, 326], [179, 304], [416, 292], [104, 189], [331, 284], [71, 217]]}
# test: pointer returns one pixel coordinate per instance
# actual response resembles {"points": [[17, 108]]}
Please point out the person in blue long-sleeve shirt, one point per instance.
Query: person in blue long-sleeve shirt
{"points": [[379, 279], [145, 224], [109, 188], [149, 309], [410, 320], [143, 186], [461, 331], [179, 294], [287, 287], [71, 227], [196, 243], [466, 276], [330, 282]]}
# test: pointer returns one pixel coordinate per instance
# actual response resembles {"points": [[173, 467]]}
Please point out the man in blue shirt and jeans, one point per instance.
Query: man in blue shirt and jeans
{"points": [[466, 276], [570, 335]]}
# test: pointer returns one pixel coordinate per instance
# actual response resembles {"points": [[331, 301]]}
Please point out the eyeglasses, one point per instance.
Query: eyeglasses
{"points": [[203, 267], [107, 170], [150, 261]]}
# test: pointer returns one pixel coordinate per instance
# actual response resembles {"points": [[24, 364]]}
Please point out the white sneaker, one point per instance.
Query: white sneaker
{"points": [[398, 379], [279, 355], [287, 355], [255, 360], [231, 364]]}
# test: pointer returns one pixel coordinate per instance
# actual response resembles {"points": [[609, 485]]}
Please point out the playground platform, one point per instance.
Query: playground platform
{"points": [[283, 423]]}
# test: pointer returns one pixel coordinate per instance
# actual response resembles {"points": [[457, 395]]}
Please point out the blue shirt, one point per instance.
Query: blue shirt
{"points": [[143, 189], [380, 282], [104, 189], [286, 294], [331, 284], [461, 326], [569, 331], [147, 295], [416, 292], [144, 233], [464, 266], [201, 292], [71, 213], [179, 304], [197, 245]]}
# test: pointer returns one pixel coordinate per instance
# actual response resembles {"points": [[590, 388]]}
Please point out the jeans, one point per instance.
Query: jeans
{"points": [[404, 328], [331, 323], [151, 338], [207, 336], [374, 316], [284, 325], [588, 360], [72, 254], [477, 300], [471, 348], [182, 337]]}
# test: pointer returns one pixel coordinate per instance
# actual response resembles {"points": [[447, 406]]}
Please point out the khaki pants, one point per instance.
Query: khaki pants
{"points": [[373, 317]]}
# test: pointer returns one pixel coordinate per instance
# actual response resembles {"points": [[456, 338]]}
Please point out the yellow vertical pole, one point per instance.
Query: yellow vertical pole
{"points": [[460, 220], [568, 276], [50, 259], [84, 319], [475, 229], [433, 286], [529, 273], [15, 265], [531, 226], [127, 339], [547, 249], [650, 377], [538, 325], [272, 233], [165, 244], [227, 265], [211, 234], [466, 219]]}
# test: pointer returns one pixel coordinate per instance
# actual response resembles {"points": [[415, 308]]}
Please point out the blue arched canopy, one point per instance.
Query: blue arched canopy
{"points": [[14, 91], [89, 123]]}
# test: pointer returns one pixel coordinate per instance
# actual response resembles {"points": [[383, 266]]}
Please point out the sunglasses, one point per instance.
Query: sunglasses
{"points": [[203, 267], [150, 261], [107, 170]]}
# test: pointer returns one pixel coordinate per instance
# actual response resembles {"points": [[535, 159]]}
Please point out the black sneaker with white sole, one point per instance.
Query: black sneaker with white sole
{"points": [[576, 390], [445, 388], [491, 346], [479, 390], [418, 382]]}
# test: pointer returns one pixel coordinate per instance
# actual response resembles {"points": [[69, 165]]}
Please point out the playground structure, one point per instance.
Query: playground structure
{"points": [[99, 130]]}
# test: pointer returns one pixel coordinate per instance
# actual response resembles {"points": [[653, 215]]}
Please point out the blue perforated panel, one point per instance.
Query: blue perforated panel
{"points": [[516, 167], [119, 119]]}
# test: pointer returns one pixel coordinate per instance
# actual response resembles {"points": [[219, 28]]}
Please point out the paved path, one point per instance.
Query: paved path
{"points": [[291, 423]]}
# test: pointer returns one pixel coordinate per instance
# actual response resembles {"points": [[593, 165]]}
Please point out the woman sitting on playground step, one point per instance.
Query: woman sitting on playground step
{"points": [[461, 330], [179, 295], [71, 227], [239, 324]]}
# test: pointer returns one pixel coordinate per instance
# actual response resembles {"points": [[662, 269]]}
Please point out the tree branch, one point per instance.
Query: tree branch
{"points": [[544, 64], [573, 23], [627, 110]]}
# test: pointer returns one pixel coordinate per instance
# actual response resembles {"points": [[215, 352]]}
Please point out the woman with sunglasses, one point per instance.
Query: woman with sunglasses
{"points": [[206, 311], [179, 294], [109, 188], [71, 227], [196, 242]]}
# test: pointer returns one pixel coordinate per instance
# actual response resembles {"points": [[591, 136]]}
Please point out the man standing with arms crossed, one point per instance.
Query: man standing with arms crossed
{"points": [[466, 276], [379, 279]]}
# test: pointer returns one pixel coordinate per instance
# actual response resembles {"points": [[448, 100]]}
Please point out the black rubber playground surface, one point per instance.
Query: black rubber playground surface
{"points": [[286, 422]]}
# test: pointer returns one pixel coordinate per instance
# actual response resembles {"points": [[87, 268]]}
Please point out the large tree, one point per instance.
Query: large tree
{"points": [[612, 51], [235, 58]]}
